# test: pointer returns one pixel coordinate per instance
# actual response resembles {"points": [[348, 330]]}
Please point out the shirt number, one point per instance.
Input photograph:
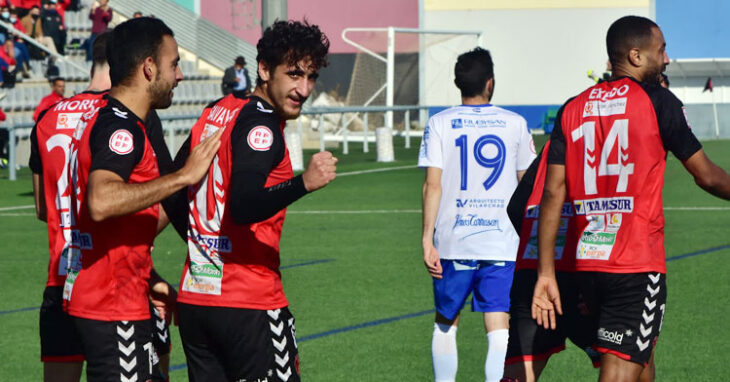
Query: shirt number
{"points": [[619, 133], [496, 163]]}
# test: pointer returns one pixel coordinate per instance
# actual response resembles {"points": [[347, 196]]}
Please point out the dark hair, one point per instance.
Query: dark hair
{"points": [[625, 34], [98, 50], [472, 71], [56, 79], [290, 42], [130, 43]]}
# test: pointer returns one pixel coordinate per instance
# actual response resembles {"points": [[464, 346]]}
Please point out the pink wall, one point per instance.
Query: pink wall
{"points": [[332, 16]]}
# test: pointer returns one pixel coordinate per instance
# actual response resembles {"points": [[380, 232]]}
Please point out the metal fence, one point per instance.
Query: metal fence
{"points": [[16, 132]]}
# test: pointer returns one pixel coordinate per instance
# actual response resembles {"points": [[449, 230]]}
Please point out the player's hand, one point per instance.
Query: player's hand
{"points": [[321, 170], [164, 298], [200, 157], [432, 262], [546, 301]]}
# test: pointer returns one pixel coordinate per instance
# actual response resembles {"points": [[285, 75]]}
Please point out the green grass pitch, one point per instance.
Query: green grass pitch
{"points": [[361, 296]]}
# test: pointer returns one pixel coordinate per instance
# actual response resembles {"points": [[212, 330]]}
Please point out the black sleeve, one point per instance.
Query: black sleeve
{"points": [[251, 201], [110, 145], [518, 201], [556, 155], [35, 156], [676, 134], [156, 135], [176, 205]]}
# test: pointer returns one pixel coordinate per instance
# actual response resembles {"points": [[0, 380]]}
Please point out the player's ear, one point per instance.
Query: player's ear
{"points": [[490, 88], [264, 73], [635, 57], [149, 68]]}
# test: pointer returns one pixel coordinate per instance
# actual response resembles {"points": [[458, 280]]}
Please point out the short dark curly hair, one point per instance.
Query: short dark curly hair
{"points": [[290, 42], [472, 71]]}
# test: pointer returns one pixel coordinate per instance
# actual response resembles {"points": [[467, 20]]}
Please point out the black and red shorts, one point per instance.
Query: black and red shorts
{"points": [[630, 310], [233, 344], [531, 342], [59, 340], [161, 332], [118, 350]]}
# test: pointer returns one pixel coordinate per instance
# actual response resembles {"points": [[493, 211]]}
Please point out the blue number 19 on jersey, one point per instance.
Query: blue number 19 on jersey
{"points": [[495, 163]]}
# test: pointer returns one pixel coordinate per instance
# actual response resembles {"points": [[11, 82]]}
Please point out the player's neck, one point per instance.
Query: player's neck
{"points": [[473, 101], [137, 103], [623, 71]]}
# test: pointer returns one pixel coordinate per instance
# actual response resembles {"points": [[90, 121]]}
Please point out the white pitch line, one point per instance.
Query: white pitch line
{"points": [[696, 208], [16, 214], [16, 208], [377, 170], [325, 212]]}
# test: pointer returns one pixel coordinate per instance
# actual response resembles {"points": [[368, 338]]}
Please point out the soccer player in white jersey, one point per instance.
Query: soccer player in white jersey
{"points": [[474, 155]]}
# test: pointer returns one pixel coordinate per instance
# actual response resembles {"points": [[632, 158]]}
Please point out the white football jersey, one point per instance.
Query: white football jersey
{"points": [[479, 149]]}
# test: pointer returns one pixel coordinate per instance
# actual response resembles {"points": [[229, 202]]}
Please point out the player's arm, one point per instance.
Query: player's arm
{"points": [[108, 193], [431, 201], [546, 297], [525, 150], [709, 176], [35, 165], [162, 295], [678, 138], [520, 174], [251, 200]]}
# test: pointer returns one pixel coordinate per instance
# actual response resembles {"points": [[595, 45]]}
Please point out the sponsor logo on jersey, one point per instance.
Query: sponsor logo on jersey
{"points": [[603, 205], [208, 130], [260, 138], [67, 121], [208, 270], [216, 243], [613, 222], [121, 142], [480, 203], [533, 211], [600, 108], [81, 240], [609, 336], [477, 122], [603, 95], [473, 220]]}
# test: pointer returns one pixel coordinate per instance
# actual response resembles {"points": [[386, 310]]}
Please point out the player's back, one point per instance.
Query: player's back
{"points": [[615, 159], [479, 149], [52, 137]]}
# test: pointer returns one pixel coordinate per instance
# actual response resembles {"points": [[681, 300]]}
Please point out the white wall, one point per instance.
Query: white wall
{"points": [[541, 55]]}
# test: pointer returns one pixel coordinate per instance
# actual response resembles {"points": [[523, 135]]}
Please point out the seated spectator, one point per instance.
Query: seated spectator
{"points": [[24, 6], [22, 56], [34, 28], [58, 88], [8, 64]]}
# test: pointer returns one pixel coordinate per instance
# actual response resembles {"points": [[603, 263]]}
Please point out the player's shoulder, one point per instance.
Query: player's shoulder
{"points": [[507, 114], [257, 112], [114, 116]]}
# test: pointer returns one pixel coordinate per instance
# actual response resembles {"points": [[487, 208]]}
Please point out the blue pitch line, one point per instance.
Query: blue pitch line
{"points": [[702, 252], [313, 262], [307, 263], [20, 310]]}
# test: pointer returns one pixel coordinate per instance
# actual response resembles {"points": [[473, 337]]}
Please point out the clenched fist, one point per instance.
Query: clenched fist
{"points": [[320, 171]]}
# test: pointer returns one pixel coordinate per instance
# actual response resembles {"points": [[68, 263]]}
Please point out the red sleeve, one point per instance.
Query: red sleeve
{"points": [[2, 115]]}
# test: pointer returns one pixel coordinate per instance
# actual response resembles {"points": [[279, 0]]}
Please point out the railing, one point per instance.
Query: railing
{"points": [[170, 130], [40, 46]]}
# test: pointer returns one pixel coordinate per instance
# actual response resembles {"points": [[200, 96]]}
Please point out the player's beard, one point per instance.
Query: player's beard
{"points": [[160, 93]]}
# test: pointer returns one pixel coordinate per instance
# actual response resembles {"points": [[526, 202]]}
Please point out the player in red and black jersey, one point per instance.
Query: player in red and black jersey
{"points": [[234, 318], [117, 187], [51, 138], [607, 157]]}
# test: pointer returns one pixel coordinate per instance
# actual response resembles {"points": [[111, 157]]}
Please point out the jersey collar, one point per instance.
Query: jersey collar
{"points": [[482, 105]]}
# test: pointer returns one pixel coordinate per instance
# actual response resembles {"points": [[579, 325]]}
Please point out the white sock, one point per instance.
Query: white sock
{"points": [[443, 352], [496, 354]]}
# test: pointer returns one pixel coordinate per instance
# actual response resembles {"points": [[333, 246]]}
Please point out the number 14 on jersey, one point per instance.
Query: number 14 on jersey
{"points": [[619, 133]]}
